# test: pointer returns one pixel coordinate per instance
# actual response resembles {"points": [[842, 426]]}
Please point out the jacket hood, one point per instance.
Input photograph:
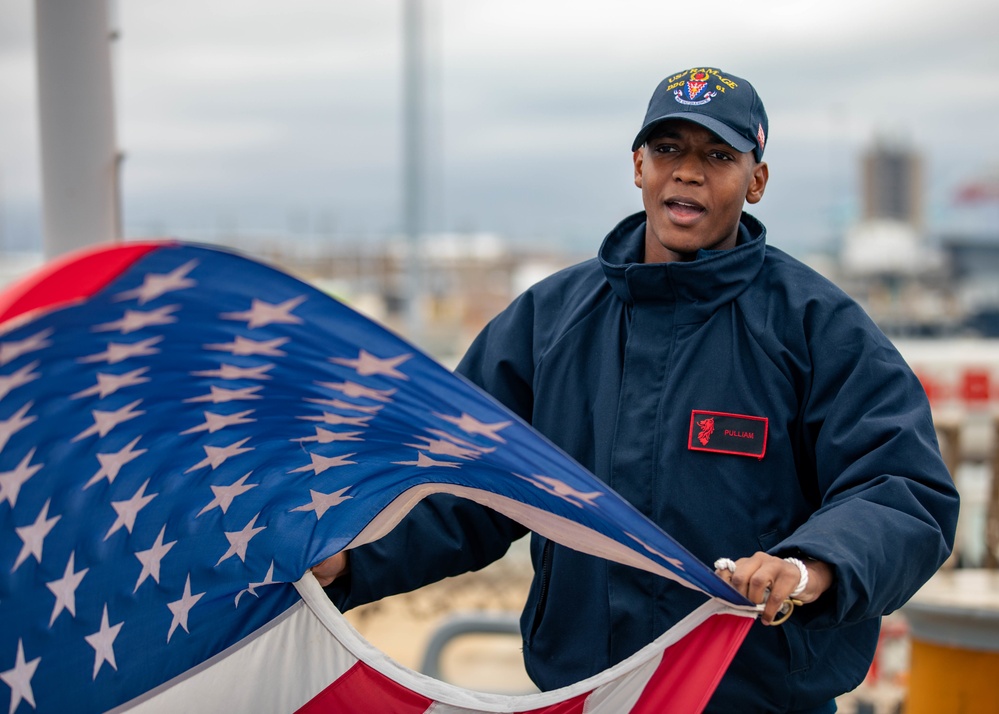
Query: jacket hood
{"points": [[713, 278]]}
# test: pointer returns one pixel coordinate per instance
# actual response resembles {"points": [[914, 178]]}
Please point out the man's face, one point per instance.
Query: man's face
{"points": [[693, 187]]}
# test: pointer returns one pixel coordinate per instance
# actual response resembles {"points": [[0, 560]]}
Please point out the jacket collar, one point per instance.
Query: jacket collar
{"points": [[714, 278]]}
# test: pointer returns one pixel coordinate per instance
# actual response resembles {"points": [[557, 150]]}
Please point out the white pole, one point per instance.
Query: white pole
{"points": [[3, 216], [76, 115], [414, 174]]}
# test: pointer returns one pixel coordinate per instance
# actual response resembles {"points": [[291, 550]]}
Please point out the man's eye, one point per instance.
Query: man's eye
{"points": [[721, 155], [665, 148]]}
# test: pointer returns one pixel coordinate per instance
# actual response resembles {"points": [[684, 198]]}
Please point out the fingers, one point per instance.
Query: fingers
{"points": [[762, 579], [331, 568]]}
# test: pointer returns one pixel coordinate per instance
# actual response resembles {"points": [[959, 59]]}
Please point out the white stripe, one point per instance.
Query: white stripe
{"points": [[455, 699], [439, 708], [286, 663], [552, 526], [276, 670], [623, 693]]}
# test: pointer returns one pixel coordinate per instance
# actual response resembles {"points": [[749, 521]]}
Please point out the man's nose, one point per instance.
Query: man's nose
{"points": [[688, 168]]}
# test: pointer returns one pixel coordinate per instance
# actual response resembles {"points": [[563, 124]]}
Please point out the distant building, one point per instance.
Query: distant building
{"points": [[889, 240], [465, 279], [892, 185], [886, 261], [910, 285], [974, 274]]}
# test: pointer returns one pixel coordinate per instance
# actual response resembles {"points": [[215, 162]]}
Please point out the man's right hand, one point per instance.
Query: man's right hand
{"points": [[331, 568]]}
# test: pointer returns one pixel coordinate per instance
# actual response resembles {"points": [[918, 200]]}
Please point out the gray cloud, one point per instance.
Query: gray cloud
{"points": [[273, 116]]}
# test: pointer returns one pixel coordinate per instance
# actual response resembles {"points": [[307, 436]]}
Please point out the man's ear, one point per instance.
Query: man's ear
{"points": [[638, 157], [758, 184]]}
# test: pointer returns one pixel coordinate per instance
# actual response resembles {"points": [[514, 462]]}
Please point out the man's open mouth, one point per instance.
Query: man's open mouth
{"points": [[684, 209]]}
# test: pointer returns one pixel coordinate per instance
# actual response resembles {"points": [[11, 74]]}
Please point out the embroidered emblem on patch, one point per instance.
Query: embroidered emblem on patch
{"points": [[761, 137], [707, 427], [723, 433], [694, 86]]}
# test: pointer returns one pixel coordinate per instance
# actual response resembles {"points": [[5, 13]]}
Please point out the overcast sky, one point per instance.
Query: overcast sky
{"points": [[284, 116]]}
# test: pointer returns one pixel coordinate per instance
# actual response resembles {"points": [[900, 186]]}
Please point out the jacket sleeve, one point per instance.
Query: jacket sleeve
{"points": [[445, 535], [887, 506], [441, 537]]}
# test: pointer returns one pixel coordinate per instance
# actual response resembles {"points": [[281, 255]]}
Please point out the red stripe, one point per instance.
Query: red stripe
{"points": [[684, 681], [363, 690], [71, 277], [691, 669]]}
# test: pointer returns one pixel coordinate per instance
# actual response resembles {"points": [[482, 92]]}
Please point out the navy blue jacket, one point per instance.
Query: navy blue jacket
{"points": [[820, 442]]}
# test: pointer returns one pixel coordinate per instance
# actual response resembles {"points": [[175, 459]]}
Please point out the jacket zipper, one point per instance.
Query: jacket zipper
{"points": [[546, 566]]}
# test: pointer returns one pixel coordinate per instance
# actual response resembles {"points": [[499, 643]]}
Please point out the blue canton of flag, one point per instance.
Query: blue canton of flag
{"points": [[181, 445]]}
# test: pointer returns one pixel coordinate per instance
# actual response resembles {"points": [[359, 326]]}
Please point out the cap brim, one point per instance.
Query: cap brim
{"points": [[734, 139]]}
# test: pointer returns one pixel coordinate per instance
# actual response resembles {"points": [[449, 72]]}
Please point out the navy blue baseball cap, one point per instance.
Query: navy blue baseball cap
{"points": [[725, 104]]}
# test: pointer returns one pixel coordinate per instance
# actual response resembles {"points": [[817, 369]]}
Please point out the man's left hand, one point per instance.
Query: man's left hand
{"points": [[761, 572]]}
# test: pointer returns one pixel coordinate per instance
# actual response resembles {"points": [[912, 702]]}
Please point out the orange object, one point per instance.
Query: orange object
{"points": [[954, 626], [952, 679]]}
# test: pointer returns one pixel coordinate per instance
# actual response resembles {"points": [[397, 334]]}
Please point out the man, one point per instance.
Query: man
{"points": [[735, 397]]}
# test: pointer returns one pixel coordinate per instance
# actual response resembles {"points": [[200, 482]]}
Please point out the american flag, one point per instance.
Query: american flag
{"points": [[185, 431]]}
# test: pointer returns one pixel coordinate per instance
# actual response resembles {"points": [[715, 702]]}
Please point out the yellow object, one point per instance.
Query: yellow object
{"points": [[954, 627], [949, 679]]}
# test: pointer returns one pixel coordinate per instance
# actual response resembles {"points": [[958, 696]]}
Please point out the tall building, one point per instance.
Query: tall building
{"points": [[892, 185]]}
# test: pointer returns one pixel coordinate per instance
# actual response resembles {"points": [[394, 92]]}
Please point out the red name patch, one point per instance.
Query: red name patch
{"points": [[724, 433]]}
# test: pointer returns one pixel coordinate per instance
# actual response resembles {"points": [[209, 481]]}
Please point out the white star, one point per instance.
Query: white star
{"points": [[445, 447], [33, 536], [563, 490], [135, 320], [321, 463], [156, 284], [182, 608], [354, 390], [10, 382], [14, 423], [151, 558], [121, 351], [216, 422], [220, 395], [225, 495], [217, 455], [471, 425], [672, 561], [264, 313], [238, 540], [366, 364], [104, 422], [19, 679], [252, 589], [103, 643], [247, 348], [111, 463], [338, 419], [11, 481], [228, 371], [110, 383], [10, 351], [461, 442], [325, 436], [340, 404], [322, 502], [128, 510], [65, 590], [425, 462]]}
